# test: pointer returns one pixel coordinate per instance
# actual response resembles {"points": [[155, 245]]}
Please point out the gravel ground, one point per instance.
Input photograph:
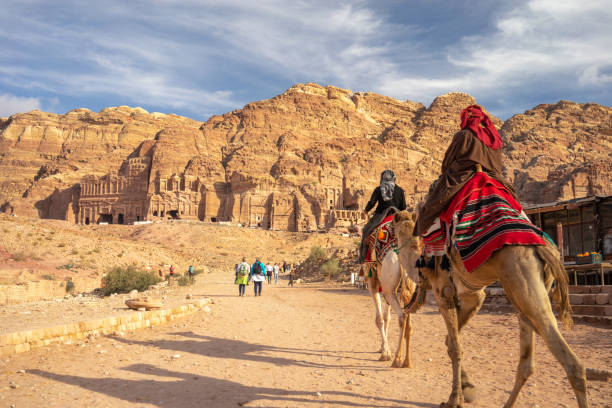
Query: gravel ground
{"points": [[308, 346]]}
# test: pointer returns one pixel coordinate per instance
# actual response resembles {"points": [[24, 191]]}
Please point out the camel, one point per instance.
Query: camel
{"points": [[387, 276], [526, 273]]}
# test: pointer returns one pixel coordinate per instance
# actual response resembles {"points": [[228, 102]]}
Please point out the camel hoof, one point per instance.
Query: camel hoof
{"points": [[396, 364], [384, 357], [469, 393], [407, 365]]}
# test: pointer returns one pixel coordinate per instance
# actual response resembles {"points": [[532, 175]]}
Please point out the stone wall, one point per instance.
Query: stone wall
{"points": [[44, 290], [20, 342]]}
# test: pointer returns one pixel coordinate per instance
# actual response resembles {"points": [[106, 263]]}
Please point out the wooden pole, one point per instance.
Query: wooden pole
{"points": [[560, 239]]}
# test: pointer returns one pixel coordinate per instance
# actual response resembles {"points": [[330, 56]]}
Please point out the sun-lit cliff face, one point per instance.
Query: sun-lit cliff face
{"points": [[299, 161]]}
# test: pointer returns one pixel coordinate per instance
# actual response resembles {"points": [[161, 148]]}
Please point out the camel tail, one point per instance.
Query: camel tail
{"points": [[553, 268]]}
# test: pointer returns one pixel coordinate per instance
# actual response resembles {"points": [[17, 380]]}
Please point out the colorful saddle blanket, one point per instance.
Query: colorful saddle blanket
{"points": [[482, 218], [382, 240], [434, 240]]}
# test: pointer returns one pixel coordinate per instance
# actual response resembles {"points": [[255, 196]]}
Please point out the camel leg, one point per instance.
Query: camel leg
{"points": [[471, 303], [405, 331], [444, 294], [387, 317], [380, 322], [523, 284], [525, 365]]}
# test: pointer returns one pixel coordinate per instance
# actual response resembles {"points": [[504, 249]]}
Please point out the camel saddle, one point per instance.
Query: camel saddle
{"points": [[482, 218], [381, 240]]}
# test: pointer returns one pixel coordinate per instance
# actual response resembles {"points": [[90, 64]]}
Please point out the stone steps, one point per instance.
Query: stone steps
{"points": [[590, 289], [591, 299], [592, 310], [590, 304], [602, 320]]}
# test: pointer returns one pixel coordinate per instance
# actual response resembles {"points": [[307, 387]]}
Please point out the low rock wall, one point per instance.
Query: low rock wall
{"points": [[20, 342], [44, 290]]}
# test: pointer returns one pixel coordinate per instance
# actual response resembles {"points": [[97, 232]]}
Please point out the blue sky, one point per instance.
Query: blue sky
{"points": [[200, 58]]}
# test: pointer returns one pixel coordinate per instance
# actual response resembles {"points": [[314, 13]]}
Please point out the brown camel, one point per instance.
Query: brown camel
{"points": [[390, 280], [526, 273]]}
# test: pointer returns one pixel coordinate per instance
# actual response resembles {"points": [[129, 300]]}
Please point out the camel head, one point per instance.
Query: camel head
{"points": [[409, 245]]}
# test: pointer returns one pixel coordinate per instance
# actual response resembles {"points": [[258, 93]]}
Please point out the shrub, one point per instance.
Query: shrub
{"points": [[69, 286], [48, 277], [197, 271], [124, 279], [317, 254], [20, 256], [186, 280], [74, 252], [330, 268], [61, 245]]}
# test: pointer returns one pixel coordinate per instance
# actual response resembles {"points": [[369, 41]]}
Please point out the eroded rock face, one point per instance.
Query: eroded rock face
{"points": [[559, 151], [306, 159], [44, 152]]}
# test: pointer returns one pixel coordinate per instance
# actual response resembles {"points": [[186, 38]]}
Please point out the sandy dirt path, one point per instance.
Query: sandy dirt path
{"points": [[308, 346]]}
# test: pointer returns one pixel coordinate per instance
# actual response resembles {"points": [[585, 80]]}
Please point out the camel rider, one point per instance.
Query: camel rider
{"points": [[478, 142], [388, 194]]}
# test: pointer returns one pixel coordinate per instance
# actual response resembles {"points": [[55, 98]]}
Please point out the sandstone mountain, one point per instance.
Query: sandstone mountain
{"points": [[299, 161]]}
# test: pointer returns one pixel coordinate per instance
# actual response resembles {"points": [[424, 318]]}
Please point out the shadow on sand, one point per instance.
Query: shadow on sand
{"points": [[241, 350], [173, 389]]}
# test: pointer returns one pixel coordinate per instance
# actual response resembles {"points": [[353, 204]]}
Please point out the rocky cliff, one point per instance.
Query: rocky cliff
{"points": [[559, 151], [303, 153]]}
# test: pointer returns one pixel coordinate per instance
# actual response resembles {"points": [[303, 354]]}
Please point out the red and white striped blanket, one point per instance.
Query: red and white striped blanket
{"points": [[482, 218]]}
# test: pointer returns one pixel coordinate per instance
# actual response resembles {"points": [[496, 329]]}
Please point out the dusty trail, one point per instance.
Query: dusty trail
{"points": [[309, 346]]}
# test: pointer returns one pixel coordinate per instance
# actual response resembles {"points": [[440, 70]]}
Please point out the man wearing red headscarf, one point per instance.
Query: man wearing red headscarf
{"points": [[478, 142]]}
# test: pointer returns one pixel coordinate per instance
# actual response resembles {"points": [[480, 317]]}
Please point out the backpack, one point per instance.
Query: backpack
{"points": [[257, 269], [243, 270]]}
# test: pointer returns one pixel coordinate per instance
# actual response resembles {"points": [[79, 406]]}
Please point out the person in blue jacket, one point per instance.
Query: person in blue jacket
{"points": [[258, 276]]}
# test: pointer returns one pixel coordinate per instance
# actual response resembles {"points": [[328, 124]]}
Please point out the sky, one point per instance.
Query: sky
{"points": [[198, 58]]}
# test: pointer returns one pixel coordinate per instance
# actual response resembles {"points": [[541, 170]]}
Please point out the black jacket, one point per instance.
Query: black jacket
{"points": [[398, 201]]}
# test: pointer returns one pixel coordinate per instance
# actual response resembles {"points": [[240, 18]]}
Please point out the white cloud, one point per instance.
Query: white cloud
{"points": [[205, 55], [541, 38], [10, 104], [592, 76], [565, 44]]}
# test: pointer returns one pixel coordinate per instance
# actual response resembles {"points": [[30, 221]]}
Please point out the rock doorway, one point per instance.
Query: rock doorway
{"points": [[120, 219], [174, 214], [108, 218]]}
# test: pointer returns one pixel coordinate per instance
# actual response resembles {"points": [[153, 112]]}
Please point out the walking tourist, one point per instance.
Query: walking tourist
{"points": [[269, 272], [276, 271], [190, 271], [258, 275], [290, 270], [242, 276], [171, 270]]}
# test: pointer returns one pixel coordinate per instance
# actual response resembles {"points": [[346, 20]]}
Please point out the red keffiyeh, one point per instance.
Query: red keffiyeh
{"points": [[477, 121]]}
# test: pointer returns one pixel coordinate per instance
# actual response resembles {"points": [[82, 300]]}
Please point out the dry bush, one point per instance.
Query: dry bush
{"points": [[124, 279], [330, 268]]}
